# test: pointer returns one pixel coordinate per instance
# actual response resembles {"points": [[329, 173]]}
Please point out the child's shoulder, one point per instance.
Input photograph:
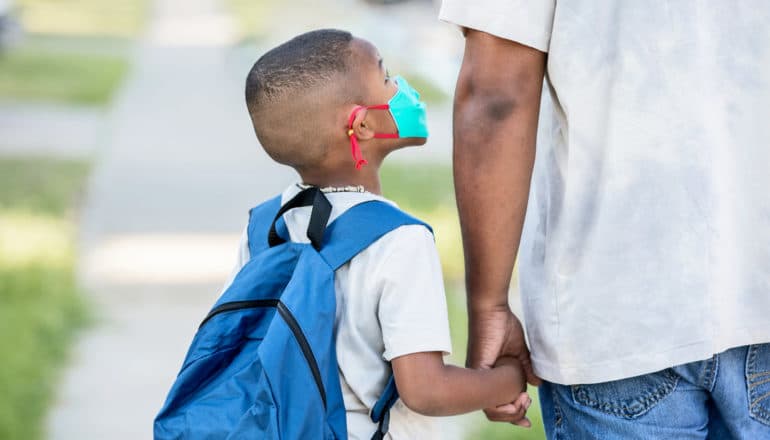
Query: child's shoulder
{"points": [[406, 249]]}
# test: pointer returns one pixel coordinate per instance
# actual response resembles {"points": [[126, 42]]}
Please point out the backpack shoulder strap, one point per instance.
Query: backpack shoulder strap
{"points": [[260, 219], [360, 226]]}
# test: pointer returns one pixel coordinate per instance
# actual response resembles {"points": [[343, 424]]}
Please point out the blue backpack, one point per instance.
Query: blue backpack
{"points": [[263, 363]]}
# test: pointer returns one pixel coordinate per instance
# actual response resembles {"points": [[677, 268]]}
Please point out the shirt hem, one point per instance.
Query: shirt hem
{"points": [[444, 349], [644, 363], [501, 30]]}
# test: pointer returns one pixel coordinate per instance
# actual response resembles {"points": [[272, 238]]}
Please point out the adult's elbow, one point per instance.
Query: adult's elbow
{"points": [[494, 83], [491, 102]]}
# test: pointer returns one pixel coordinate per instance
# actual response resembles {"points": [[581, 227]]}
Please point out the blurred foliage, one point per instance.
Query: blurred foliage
{"points": [[419, 187], [61, 76], [429, 92], [426, 191], [40, 306], [31, 239], [252, 16], [99, 18], [40, 186]]}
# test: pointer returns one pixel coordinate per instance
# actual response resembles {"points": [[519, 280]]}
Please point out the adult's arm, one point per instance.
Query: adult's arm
{"points": [[496, 109]]}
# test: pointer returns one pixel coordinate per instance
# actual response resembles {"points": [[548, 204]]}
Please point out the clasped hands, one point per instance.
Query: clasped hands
{"points": [[497, 338]]}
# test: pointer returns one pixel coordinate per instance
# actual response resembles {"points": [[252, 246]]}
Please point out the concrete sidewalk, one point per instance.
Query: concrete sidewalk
{"points": [[34, 129]]}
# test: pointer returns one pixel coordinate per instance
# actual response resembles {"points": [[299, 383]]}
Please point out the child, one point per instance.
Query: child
{"points": [[315, 101]]}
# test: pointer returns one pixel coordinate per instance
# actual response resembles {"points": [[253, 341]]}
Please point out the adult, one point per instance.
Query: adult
{"points": [[644, 261]]}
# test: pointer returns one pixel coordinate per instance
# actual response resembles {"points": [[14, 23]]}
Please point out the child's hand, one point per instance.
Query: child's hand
{"points": [[516, 411], [512, 362]]}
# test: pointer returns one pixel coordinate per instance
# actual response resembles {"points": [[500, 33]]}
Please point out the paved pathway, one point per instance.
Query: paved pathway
{"points": [[50, 130], [57, 129]]}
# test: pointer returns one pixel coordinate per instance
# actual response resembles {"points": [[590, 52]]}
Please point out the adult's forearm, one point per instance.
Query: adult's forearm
{"points": [[495, 126]]}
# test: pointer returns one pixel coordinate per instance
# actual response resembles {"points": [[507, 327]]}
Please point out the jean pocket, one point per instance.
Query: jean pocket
{"points": [[758, 382], [627, 398]]}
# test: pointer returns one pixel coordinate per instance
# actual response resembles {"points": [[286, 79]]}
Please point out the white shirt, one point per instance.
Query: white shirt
{"points": [[390, 302], [647, 238]]}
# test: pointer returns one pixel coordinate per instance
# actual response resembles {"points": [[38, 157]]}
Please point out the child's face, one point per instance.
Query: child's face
{"points": [[374, 75], [380, 88]]}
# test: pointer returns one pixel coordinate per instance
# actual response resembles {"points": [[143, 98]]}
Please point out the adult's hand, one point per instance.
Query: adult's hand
{"points": [[495, 126], [494, 334]]}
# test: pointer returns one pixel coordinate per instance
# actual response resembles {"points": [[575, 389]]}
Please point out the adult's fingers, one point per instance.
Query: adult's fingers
{"points": [[526, 364]]}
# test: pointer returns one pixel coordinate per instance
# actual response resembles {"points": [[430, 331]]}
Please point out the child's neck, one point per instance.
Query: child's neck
{"points": [[367, 177]]}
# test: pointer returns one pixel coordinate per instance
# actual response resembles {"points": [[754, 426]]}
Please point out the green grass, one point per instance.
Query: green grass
{"points": [[426, 191], [40, 306], [424, 188], [41, 186], [96, 18], [67, 77]]}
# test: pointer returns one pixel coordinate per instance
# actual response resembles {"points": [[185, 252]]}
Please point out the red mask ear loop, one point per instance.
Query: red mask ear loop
{"points": [[355, 149], [383, 135]]}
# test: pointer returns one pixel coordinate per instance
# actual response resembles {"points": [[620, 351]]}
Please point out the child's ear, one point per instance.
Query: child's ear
{"points": [[361, 127]]}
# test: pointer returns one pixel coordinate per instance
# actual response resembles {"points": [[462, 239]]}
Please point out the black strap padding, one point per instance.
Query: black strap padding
{"points": [[319, 216], [382, 427], [380, 412]]}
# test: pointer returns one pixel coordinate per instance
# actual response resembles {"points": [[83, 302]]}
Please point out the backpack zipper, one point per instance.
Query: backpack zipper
{"points": [[305, 346], [238, 305], [289, 320]]}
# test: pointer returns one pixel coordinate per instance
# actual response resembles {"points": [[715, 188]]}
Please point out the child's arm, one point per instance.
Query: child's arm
{"points": [[428, 386]]}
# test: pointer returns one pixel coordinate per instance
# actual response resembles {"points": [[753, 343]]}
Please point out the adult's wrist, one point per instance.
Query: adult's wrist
{"points": [[481, 306]]}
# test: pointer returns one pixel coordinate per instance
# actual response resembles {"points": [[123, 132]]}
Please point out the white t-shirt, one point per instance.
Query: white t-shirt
{"points": [[390, 302], [647, 238]]}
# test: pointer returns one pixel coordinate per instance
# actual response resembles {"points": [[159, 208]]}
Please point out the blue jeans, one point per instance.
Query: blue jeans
{"points": [[725, 397]]}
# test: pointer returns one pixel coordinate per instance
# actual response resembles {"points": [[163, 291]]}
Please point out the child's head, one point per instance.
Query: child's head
{"points": [[310, 100]]}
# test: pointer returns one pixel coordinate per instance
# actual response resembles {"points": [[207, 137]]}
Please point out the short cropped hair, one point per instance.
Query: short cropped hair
{"points": [[288, 90]]}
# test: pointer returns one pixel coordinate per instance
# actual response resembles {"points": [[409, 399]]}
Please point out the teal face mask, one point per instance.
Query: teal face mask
{"points": [[408, 112]]}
